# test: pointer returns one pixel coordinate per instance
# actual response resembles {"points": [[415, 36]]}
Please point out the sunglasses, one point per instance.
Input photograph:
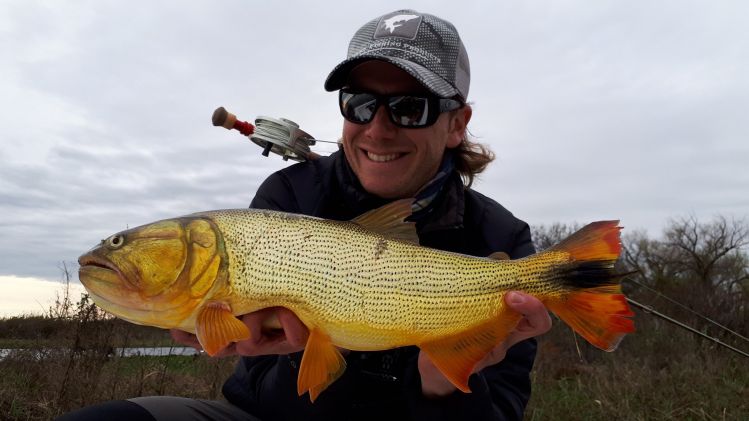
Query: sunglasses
{"points": [[409, 111]]}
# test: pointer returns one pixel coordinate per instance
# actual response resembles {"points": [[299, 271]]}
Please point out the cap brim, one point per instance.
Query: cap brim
{"points": [[436, 84]]}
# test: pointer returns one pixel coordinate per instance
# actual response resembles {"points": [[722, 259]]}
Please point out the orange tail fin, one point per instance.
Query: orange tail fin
{"points": [[594, 307]]}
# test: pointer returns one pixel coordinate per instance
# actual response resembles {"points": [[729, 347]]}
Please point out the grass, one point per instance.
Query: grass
{"points": [[661, 374], [64, 361], [34, 389]]}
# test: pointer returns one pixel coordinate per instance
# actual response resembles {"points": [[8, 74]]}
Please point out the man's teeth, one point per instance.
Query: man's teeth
{"points": [[381, 158]]}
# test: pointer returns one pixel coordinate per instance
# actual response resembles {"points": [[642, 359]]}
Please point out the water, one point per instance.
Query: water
{"points": [[120, 352], [155, 351]]}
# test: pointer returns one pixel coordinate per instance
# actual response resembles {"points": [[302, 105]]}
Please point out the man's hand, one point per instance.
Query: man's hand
{"points": [[290, 338], [535, 321]]}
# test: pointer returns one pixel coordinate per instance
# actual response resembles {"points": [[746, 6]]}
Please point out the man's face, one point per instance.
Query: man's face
{"points": [[390, 161]]}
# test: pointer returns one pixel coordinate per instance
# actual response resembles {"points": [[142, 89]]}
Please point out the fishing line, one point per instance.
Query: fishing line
{"points": [[650, 310], [671, 300]]}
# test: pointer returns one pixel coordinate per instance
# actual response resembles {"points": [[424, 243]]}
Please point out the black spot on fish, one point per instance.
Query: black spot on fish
{"points": [[380, 248]]}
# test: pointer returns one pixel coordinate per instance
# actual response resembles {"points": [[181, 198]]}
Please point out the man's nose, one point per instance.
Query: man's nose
{"points": [[381, 126]]}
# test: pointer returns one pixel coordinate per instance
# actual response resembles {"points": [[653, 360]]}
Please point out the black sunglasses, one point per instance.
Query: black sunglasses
{"points": [[409, 111]]}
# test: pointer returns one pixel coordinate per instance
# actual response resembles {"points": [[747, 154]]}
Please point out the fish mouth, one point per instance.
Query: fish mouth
{"points": [[96, 269], [109, 289], [90, 260]]}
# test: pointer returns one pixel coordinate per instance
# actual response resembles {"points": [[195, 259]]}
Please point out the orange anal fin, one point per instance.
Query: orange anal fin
{"points": [[322, 364], [456, 356], [600, 315], [216, 327]]}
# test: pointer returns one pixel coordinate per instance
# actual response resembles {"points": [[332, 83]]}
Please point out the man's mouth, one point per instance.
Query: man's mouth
{"points": [[382, 158]]}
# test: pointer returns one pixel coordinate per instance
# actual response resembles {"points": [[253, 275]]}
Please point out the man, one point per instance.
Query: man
{"points": [[402, 93]]}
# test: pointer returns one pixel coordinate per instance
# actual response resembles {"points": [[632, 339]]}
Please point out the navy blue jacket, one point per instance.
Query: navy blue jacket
{"points": [[386, 385]]}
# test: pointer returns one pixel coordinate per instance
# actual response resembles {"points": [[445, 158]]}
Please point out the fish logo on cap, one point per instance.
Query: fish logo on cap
{"points": [[399, 25]]}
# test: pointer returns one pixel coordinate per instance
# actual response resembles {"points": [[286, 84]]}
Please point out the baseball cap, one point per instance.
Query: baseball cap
{"points": [[425, 46]]}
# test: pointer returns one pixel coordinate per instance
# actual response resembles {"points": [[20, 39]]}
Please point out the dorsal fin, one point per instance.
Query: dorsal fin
{"points": [[389, 221]]}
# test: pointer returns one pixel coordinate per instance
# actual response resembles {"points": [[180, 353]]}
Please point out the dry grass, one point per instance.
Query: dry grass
{"points": [[660, 373], [33, 388], [68, 362]]}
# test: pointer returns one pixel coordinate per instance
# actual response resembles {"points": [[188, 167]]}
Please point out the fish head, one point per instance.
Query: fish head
{"points": [[156, 274]]}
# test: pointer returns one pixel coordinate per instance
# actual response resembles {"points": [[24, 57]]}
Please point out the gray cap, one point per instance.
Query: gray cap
{"points": [[425, 46]]}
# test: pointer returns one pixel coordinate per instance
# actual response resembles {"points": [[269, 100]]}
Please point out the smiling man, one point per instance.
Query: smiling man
{"points": [[402, 92], [388, 161]]}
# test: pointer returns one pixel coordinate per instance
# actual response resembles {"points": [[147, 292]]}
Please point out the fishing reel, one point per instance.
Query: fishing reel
{"points": [[280, 136]]}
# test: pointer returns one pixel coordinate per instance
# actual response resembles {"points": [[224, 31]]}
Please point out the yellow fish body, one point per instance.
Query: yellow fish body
{"points": [[361, 285]]}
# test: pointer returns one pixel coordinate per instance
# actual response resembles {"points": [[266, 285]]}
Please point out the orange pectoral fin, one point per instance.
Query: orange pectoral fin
{"points": [[322, 364], [217, 327], [456, 356]]}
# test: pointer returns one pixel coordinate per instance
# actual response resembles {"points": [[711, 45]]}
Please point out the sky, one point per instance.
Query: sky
{"points": [[596, 110]]}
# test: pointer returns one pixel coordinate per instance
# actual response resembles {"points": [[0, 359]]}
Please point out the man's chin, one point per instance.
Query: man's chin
{"points": [[388, 187]]}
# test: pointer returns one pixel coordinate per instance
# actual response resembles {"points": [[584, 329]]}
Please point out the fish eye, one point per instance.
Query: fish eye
{"points": [[115, 241]]}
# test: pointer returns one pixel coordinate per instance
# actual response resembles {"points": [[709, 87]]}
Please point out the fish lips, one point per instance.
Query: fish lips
{"points": [[94, 269], [104, 279]]}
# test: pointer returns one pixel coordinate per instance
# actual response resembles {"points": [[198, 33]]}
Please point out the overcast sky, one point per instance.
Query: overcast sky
{"points": [[595, 109]]}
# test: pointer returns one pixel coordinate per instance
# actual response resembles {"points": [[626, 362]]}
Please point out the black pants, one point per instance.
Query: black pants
{"points": [[159, 408]]}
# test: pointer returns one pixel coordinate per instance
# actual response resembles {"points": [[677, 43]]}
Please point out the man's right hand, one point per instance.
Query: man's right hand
{"points": [[291, 337]]}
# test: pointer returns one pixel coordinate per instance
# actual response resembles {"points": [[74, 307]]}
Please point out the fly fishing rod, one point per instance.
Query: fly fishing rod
{"points": [[650, 310], [278, 135]]}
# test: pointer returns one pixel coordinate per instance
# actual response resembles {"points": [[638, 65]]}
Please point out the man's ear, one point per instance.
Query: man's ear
{"points": [[458, 123]]}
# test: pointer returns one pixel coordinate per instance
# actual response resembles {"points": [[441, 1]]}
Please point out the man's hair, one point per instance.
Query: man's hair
{"points": [[471, 158]]}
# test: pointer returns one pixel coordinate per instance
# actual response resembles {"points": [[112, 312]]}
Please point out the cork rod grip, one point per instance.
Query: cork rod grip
{"points": [[225, 119]]}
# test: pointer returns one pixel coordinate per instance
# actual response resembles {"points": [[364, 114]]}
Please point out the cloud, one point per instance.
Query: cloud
{"points": [[27, 296]]}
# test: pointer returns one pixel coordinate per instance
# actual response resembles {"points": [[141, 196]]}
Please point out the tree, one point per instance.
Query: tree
{"points": [[702, 265], [547, 236]]}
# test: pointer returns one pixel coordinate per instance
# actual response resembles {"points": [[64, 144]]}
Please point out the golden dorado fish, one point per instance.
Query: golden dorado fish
{"points": [[362, 285]]}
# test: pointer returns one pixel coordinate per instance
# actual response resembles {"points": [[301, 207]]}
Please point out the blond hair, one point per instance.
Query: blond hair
{"points": [[471, 158]]}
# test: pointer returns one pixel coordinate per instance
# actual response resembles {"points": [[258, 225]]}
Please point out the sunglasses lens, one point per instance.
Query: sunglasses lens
{"points": [[358, 108], [404, 110], [409, 111]]}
